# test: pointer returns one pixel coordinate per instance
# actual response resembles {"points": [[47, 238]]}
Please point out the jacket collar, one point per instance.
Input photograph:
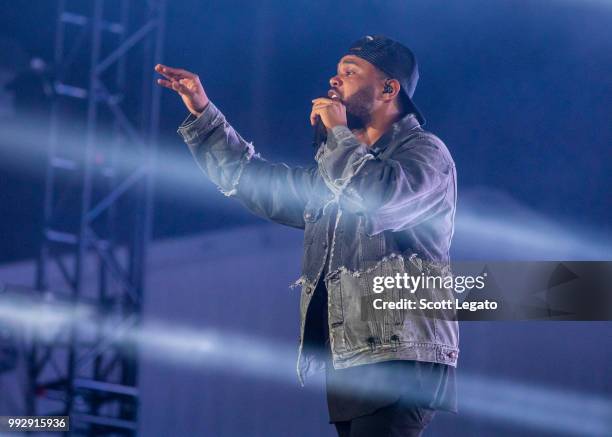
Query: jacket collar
{"points": [[399, 130]]}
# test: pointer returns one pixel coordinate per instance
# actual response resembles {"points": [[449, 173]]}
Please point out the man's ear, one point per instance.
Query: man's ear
{"points": [[391, 89]]}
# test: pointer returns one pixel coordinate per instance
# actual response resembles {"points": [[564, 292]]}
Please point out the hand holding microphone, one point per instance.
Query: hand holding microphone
{"points": [[325, 114], [330, 111]]}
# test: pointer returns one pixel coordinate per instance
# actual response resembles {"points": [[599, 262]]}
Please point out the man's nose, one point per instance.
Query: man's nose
{"points": [[335, 82]]}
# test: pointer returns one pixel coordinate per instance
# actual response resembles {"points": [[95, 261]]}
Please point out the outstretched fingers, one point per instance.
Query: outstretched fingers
{"points": [[173, 73], [185, 84], [165, 83], [173, 85]]}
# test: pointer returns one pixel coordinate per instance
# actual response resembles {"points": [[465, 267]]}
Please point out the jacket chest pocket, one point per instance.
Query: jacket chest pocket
{"points": [[314, 231], [312, 220]]}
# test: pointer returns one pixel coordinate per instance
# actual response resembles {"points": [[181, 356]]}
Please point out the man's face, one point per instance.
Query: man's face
{"points": [[356, 83]]}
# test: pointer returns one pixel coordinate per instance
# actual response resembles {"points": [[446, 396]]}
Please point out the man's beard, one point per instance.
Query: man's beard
{"points": [[359, 108]]}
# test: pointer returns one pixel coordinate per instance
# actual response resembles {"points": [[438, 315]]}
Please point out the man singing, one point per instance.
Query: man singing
{"points": [[380, 200]]}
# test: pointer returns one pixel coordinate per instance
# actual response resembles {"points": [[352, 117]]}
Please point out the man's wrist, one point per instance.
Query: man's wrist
{"points": [[340, 132], [198, 112], [337, 125]]}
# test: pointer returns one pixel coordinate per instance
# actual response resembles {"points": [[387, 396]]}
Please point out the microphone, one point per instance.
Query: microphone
{"points": [[320, 131]]}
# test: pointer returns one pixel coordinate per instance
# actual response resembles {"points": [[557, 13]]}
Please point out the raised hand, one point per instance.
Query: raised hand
{"points": [[187, 85]]}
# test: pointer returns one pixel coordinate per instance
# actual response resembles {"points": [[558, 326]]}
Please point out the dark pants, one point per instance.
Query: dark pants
{"points": [[395, 420]]}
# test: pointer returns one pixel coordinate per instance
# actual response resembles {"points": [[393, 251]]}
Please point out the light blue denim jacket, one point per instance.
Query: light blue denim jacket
{"points": [[366, 212]]}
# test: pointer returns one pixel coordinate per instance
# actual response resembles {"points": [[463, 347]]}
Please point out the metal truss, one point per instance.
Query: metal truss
{"points": [[98, 209]]}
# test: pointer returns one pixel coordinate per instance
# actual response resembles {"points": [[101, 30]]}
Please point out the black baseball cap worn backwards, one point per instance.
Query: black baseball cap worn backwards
{"points": [[393, 59]]}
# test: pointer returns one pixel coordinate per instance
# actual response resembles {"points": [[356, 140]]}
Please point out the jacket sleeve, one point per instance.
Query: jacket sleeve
{"points": [[272, 191], [393, 193]]}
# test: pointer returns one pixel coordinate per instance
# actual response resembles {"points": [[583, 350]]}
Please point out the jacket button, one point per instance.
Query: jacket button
{"points": [[308, 290], [308, 215], [452, 355]]}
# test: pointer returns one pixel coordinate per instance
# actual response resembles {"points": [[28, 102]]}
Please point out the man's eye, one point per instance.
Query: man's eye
{"points": [[349, 73]]}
